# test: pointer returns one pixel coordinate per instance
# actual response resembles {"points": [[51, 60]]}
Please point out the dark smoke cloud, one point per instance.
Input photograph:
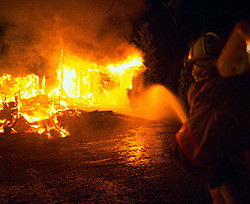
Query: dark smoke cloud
{"points": [[32, 33]]}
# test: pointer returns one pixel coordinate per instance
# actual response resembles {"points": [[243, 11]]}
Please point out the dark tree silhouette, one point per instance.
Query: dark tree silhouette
{"points": [[143, 40]]}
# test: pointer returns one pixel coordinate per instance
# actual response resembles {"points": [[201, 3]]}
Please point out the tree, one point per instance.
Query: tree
{"points": [[143, 40]]}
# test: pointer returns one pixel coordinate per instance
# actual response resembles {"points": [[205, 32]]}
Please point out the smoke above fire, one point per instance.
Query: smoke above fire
{"points": [[32, 33]]}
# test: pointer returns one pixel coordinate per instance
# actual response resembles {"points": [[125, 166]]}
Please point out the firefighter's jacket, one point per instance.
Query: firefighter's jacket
{"points": [[217, 132]]}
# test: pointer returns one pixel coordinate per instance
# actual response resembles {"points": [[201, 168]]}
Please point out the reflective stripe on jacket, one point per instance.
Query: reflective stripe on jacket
{"points": [[190, 147]]}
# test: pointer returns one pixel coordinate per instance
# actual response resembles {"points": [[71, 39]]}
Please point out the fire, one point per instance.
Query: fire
{"points": [[89, 86], [28, 105]]}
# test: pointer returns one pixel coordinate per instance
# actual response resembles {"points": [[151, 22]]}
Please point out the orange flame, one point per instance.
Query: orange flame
{"points": [[80, 84]]}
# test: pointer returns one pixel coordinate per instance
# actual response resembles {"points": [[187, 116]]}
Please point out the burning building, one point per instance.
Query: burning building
{"points": [[80, 85], [61, 55]]}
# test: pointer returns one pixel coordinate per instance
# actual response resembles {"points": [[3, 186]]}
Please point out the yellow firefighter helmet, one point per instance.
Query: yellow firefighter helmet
{"points": [[203, 54]]}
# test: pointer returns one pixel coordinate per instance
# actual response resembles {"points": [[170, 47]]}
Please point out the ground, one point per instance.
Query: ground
{"points": [[109, 158]]}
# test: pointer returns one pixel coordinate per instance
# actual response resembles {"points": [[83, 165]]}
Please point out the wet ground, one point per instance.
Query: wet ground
{"points": [[109, 158]]}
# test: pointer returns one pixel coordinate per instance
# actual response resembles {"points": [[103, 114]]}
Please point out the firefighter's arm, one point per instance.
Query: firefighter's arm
{"points": [[180, 159], [234, 58], [198, 140]]}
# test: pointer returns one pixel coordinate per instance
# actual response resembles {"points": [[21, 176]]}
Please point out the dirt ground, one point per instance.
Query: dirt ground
{"points": [[108, 158]]}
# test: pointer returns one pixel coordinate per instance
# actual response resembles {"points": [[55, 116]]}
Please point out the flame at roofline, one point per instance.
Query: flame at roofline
{"points": [[80, 84]]}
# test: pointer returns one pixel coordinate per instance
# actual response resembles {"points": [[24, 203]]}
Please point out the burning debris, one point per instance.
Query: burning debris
{"points": [[28, 104], [97, 69]]}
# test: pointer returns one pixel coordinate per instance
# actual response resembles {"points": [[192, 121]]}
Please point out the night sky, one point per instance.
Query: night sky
{"points": [[174, 26]]}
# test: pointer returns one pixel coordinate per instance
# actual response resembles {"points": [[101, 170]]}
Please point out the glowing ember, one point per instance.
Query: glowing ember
{"points": [[26, 105]]}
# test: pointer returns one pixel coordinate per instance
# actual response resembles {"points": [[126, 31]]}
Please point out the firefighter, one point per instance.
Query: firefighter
{"points": [[214, 140]]}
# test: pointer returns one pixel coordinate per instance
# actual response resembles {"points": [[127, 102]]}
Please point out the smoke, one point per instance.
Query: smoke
{"points": [[32, 33]]}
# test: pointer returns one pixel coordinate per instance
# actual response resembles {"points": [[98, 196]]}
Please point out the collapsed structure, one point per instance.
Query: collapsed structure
{"points": [[29, 104]]}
